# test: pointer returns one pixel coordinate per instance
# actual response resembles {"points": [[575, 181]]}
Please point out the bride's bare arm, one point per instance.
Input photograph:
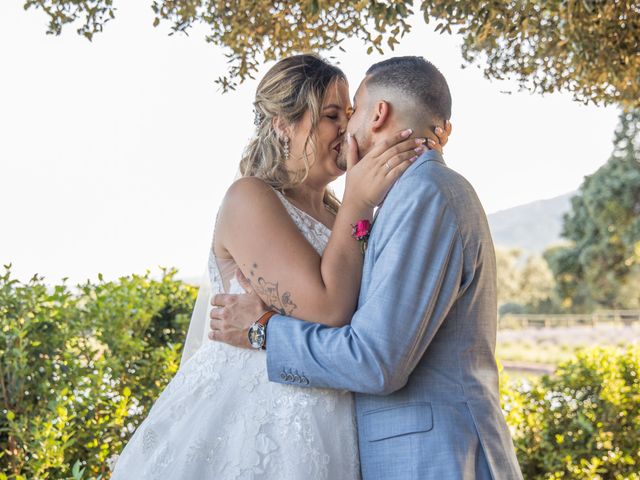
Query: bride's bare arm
{"points": [[284, 269]]}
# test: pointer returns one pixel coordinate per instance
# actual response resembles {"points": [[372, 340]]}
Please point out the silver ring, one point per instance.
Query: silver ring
{"points": [[386, 164]]}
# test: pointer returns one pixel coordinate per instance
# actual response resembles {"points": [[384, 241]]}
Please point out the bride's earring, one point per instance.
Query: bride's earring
{"points": [[286, 148]]}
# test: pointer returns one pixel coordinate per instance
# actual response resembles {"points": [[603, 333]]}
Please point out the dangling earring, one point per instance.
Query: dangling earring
{"points": [[286, 148]]}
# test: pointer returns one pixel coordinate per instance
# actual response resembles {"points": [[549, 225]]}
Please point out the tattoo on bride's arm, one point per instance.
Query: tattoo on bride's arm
{"points": [[270, 293]]}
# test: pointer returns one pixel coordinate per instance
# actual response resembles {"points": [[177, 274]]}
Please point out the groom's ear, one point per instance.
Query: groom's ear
{"points": [[381, 113]]}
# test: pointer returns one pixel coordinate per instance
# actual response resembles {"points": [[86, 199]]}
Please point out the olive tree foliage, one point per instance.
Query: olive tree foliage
{"points": [[587, 47], [252, 31]]}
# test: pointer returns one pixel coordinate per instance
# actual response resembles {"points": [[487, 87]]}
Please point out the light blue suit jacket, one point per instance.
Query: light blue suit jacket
{"points": [[419, 351]]}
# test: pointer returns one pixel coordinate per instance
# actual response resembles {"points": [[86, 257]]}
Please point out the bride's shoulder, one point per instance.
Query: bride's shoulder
{"points": [[251, 197], [250, 204], [249, 186], [248, 191]]}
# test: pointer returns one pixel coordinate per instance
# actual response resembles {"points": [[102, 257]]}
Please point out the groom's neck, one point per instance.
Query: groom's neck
{"points": [[422, 128]]}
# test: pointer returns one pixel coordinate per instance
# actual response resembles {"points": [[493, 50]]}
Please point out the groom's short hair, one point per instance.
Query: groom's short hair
{"points": [[417, 78]]}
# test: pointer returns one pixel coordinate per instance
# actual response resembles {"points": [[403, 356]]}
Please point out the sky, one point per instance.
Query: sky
{"points": [[115, 154]]}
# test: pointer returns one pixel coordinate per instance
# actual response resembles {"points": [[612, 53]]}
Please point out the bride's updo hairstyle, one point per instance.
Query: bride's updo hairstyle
{"points": [[290, 88]]}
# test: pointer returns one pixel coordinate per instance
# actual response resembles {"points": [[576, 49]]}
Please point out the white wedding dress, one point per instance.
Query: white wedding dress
{"points": [[221, 418]]}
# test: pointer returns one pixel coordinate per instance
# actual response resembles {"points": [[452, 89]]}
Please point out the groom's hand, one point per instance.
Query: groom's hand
{"points": [[232, 315]]}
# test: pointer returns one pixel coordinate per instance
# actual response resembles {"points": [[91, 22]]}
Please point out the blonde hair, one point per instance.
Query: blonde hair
{"points": [[291, 87]]}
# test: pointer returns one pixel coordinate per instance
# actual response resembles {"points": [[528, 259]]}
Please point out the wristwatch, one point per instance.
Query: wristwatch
{"points": [[258, 331]]}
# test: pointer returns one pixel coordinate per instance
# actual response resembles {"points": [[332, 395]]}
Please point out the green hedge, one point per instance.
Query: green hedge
{"points": [[81, 367], [581, 423]]}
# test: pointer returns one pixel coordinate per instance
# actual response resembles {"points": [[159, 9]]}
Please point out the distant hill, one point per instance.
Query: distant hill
{"points": [[531, 227]]}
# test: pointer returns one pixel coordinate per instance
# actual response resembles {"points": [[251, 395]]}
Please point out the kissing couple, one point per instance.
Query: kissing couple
{"points": [[351, 339]]}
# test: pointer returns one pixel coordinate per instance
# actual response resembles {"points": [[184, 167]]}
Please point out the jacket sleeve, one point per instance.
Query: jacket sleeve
{"points": [[414, 281]]}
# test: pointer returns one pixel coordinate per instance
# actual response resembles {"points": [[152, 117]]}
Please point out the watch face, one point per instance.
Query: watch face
{"points": [[256, 336]]}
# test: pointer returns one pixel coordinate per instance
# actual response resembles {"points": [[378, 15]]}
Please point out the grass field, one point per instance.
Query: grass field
{"points": [[546, 347]]}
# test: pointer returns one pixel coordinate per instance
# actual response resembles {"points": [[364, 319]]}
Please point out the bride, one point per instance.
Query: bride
{"points": [[220, 417]]}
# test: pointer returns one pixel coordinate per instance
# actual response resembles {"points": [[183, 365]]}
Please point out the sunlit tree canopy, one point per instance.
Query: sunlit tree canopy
{"points": [[590, 48]]}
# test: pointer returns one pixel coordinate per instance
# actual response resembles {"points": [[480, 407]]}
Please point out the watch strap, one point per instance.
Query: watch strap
{"points": [[264, 319]]}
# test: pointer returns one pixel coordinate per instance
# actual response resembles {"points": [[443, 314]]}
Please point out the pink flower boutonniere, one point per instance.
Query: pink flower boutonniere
{"points": [[360, 231]]}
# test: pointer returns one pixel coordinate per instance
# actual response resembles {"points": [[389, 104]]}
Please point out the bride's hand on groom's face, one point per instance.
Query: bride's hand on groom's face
{"points": [[369, 178], [232, 315]]}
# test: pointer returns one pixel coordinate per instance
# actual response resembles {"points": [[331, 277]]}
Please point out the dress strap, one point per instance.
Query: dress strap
{"points": [[298, 215]]}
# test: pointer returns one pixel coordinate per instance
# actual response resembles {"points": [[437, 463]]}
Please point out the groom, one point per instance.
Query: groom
{"points": [[419, 351]]}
